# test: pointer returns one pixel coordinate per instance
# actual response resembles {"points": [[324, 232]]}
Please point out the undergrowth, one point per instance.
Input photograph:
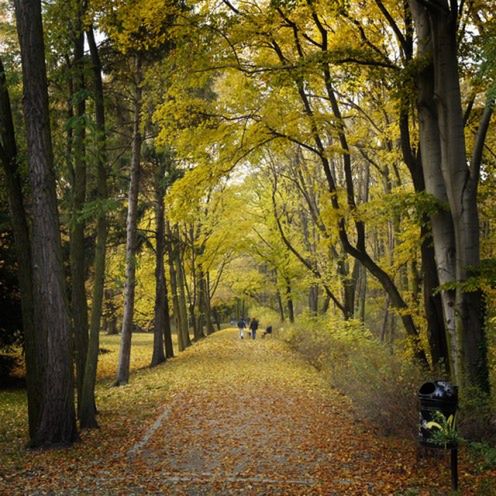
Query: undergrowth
{"points": [[382, 384]]}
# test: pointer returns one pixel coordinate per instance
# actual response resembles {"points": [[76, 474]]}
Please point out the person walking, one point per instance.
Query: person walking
{"points": [[241, 327], [254, 327]]}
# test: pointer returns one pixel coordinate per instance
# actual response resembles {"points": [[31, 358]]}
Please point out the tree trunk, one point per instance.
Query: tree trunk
{"points": [[289, 302], [181, 293], [461, 186], [19, 220], [160, 310], [313, 299], [87, 411], [171, 248], [361, 293], [57, 419], [349, 288], [132, 214], [79, 304], [280, 305], [447, 176], [205, 301]]}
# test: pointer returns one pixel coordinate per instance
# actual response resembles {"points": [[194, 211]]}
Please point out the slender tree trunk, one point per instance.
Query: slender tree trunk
{"points": [[194, 295], [325, 304], [169, 349], [160, 311], [362, 293], [57, 419], [171, 249], [280, 305], [79, 304], [208, 304], [19, 220], [289, 302], [216, 317], [183, 311], [129, 291], [205, 301], [201, 327], [87, 411]]}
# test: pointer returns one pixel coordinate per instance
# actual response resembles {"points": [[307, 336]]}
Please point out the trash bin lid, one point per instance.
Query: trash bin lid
{"points": [[438, 390]]}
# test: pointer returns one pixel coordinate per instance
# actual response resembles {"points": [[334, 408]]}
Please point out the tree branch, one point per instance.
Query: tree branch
{"points": [[475, 163]]}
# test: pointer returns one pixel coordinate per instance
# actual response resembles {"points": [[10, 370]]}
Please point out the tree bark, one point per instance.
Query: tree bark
{"points": [[289, 301], [132, 219], [79, 303], [57, 419], [280, 305], [171, 248], [433, 301], [458, 242], [87, 411], [181, 293], [161, 317]]}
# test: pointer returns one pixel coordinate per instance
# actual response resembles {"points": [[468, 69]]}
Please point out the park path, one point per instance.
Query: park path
{"points": [[254, 419], [232, 417]]}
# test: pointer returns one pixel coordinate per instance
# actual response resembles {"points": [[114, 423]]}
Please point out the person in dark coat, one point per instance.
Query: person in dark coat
{"points": [[241, 327], [254, 327]]}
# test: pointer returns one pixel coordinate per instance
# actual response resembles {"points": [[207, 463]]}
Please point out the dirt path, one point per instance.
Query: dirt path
{"points": [[266, 427], [240, 417]]}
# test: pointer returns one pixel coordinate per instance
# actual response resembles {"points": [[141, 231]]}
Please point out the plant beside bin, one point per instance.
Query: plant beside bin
{"points": [[443, 430]]}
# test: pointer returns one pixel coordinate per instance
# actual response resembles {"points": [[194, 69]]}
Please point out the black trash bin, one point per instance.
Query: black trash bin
{"points": [[436, 396]]}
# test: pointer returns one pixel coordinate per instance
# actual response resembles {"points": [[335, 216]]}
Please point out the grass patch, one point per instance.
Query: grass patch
{"points": [[13, 402]]}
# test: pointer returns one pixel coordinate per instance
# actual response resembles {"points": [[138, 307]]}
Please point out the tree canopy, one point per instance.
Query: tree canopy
{"points": [[180, 165]]}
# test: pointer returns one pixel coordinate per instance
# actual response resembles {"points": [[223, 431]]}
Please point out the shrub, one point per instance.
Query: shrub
{"points": [[477, 421], [8, 364], [383, 386]]}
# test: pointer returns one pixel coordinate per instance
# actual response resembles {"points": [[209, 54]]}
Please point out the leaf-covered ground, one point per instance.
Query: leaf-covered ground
{"points": [[226, 417]]}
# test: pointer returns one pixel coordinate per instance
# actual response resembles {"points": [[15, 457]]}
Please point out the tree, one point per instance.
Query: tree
{"points": [[57, 421], [78, 176], [162, 338], [131, 227], [19, 219], [87, 410], [453, 180]]}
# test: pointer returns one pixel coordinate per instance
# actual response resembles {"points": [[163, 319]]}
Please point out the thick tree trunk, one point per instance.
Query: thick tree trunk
{"points": [[458, 243], [131, 226], [87, 411], [461, 186], [18, 218], [57, 419], [433, 301], [79, 304]]}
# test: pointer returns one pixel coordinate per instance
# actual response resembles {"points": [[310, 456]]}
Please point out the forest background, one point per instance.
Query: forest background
{"points": [[328, 167]]}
